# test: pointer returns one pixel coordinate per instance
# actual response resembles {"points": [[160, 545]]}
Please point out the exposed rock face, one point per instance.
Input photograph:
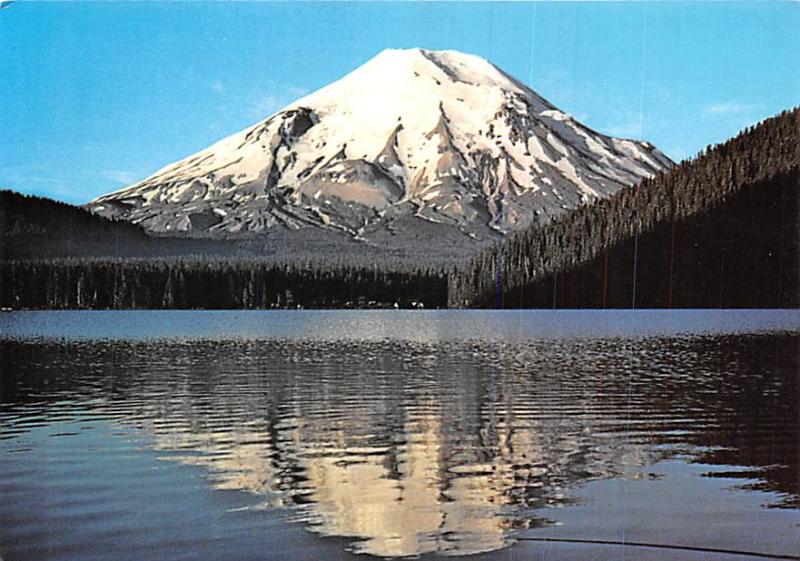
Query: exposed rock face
{"points": [[412, 135]]}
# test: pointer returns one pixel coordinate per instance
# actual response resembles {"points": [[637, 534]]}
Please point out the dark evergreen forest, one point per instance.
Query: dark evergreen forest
{"points": [[215, 284], [719, 230], [39, 228]]}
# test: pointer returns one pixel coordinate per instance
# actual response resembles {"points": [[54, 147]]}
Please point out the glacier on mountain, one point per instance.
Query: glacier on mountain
{"points": [[412, 135]]}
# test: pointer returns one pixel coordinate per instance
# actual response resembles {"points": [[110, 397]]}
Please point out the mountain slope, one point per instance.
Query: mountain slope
{"points": [[410, 137]]}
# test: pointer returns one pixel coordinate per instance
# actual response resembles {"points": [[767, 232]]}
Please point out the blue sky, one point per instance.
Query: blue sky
{"points": [[95, 95]]}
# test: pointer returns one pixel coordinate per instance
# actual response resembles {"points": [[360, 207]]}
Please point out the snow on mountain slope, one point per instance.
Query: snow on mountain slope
{"points": [[437, 136]]}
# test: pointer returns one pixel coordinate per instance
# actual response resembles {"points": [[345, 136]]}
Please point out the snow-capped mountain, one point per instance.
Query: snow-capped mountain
{"points": [[410, 138]]}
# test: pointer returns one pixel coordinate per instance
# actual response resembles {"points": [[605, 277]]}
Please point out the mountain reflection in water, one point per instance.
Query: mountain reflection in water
{"points": [[412, 447]]}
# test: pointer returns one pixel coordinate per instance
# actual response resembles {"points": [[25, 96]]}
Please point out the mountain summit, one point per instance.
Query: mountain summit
{"points": [[412, 138]]}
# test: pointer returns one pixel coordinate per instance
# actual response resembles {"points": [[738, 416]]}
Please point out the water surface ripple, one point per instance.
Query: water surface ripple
{"points": [[227, 435]]}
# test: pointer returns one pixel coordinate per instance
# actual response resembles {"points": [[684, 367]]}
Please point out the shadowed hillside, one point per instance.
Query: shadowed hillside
{"points": [[38, 227]]}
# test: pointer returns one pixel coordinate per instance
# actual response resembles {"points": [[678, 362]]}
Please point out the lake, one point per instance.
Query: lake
{"points": [[348, 434]]}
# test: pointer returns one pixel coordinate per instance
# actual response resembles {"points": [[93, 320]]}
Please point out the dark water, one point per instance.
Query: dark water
{"points": [[321, 435]]}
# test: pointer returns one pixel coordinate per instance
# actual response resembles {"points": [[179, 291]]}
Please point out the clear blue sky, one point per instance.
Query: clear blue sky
{"points": [[95, 95]]}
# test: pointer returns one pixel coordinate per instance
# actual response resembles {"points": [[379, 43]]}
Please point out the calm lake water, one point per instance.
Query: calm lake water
{"points": [[344, 434]]}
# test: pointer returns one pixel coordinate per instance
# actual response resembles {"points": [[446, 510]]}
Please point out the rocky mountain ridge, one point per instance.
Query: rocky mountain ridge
{"points": [[409, 145]]}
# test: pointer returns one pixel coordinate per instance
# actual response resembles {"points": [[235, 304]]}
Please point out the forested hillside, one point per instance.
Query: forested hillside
{"points": [[720, 230], [39, 228], [33, 226]]}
